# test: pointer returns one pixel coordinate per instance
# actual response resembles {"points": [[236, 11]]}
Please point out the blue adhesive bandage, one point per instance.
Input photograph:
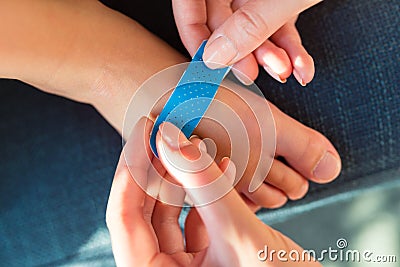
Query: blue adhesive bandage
{"points": [[191, 98]]}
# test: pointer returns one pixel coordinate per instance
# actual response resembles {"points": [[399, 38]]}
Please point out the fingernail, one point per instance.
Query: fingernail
{"points": [[170, 135], [176, 141], [193, 136], [298, 77], [201, 145], [230, 171], [219, 53], [241, 77], [273, 74], [327, 168]]}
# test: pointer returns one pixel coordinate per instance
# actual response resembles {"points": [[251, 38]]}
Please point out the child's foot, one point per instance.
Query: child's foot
{"points": [[302, 154], [307, 154]]}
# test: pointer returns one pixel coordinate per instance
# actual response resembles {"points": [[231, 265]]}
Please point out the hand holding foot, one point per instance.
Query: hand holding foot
{"points": [[146, 233], [245, 33]]}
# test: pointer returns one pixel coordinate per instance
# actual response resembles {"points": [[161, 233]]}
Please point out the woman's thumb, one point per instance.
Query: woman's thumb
{"points": [[190, 165]]}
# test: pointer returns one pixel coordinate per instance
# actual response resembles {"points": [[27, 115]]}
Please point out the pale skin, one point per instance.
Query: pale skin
{"points": [[87, 52], [145, 232], [247, 33], [92, 54]]}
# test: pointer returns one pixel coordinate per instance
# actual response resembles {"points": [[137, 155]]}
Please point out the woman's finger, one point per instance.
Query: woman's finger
{"points": [[274, 60], [195, 230], [195, 233], [246, 69], [288, 38], [133, 240], [166, 226], [228, 216], [208, 186], [218, 11], [248, 28], [191, 20]]}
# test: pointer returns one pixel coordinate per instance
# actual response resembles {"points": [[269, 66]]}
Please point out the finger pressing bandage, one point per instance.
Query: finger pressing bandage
{"points": [[191, 98]]}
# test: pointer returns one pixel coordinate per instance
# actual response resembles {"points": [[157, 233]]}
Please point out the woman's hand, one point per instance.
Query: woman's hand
{"points": [[145, 232], [247, 32]]}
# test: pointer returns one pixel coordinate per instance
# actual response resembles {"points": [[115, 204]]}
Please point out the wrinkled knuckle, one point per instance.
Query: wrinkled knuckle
{"points": [[147, 215], [165, 220], [252, 24]]}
